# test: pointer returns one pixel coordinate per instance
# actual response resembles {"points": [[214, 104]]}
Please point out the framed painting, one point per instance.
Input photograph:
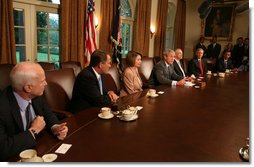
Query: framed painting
{"points": [[219, 22]]}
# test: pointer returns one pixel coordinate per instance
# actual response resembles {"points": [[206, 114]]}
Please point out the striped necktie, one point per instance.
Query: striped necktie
{"points": [[28, 116], [100, 84]]}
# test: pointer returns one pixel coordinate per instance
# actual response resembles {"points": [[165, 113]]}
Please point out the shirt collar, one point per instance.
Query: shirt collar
{"points": [[21, 102], [178, 61], [97, 75], [167, 65]]}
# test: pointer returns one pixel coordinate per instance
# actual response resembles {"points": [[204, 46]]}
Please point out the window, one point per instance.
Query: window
{"points": [[36, 27], [126, 25], [47, 26], [170, 26]]}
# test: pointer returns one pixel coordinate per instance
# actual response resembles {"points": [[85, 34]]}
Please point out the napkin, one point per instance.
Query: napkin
{"points": [[189, 84], [139, 107]]}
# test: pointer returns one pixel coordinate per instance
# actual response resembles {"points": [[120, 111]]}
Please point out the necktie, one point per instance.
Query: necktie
{"points": [[226, 64], [28, 116], [100, 84], [201, 67], [179, 64]]}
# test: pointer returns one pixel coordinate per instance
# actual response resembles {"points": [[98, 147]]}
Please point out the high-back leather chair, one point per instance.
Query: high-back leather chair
{"points": [[114, 73], [211, 64], [156, 59], [5, 70], [186, 62], [146, 66], [76, 66], [58, 92], [110, 83], [47, 66]]}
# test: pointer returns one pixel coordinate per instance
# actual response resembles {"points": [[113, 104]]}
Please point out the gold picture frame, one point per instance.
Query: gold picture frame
{"points": [[219, 22]]}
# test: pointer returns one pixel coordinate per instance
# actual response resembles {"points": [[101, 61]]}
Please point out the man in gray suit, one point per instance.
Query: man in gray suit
{"points": [[163, 72]]}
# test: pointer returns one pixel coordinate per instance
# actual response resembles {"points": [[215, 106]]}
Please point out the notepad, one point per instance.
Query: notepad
{"points": [[63, 148]]}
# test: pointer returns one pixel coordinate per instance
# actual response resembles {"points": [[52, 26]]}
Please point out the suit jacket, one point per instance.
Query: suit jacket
{"points": [[178, 70], [194, 67], [162, 75], [237, 56], [13, 138], [213, 52], [221, 65], [86, 91], [132, 82]]}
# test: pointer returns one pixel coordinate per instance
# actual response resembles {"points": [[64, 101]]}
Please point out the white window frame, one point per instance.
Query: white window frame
{"points": [[129, 20], [30, 8]]}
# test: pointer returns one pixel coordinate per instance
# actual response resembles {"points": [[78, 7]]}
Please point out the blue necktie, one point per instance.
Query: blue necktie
{"points": [[100, 84]]}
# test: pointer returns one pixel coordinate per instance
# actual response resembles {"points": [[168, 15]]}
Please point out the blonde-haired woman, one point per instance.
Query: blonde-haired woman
{"points": [[132, 82]]}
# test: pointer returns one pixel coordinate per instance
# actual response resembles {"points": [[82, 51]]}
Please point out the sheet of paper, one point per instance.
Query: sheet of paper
{"points": [[63, 148], [160, 92], [139, 107]]}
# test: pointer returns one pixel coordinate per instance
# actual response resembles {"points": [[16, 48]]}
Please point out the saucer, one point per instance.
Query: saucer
{"points": [[134, 117], [108, 117], [154, 95], [49, 157]]}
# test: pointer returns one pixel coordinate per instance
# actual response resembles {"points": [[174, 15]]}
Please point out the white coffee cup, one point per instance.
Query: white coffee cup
{"points": [[34, 159], [105, 111], [152, 92], [221, 74], [133, 109], [209, 72], [227, 71], [27, 155], [127, 114]]}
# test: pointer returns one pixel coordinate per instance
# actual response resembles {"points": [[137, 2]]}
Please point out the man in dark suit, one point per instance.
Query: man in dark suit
{"points": [[198, 65], [89, 89], [23, 112], [213, 50], [163, 72], [238, 52], [178, 65], [225, 62]]}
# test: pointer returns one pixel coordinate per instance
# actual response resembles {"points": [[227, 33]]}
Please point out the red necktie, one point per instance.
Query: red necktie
{"points": [[201, 67]]}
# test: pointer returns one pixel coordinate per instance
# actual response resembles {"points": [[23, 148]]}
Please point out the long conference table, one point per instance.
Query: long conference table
{"points": [[185, 124]]}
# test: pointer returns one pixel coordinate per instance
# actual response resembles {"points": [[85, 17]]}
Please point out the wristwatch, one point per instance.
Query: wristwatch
{"points": [[33, 132]]}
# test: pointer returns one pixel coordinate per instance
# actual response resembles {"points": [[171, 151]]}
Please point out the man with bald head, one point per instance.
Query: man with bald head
{"points": [[23, 112], [178, 65]]}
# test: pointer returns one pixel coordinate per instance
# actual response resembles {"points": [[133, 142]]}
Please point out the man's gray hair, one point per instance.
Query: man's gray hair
{"points": [[23, 73], [167, 51]]}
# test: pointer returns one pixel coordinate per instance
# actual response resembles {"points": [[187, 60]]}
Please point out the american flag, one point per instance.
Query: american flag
{"points": [[90, 32]]}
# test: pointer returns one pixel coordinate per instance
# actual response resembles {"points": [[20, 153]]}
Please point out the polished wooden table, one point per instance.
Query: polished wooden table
{"points": [[184, 124]]}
